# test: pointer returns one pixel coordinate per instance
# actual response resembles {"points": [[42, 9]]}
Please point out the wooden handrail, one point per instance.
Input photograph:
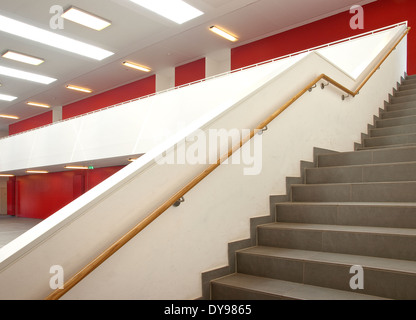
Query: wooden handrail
{"points": [[58, 293]]}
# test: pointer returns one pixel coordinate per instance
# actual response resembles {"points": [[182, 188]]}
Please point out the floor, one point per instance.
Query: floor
{"points": [[13, 227]]}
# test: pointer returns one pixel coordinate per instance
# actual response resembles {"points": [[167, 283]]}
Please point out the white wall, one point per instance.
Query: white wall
{"points": [[166, 260]]}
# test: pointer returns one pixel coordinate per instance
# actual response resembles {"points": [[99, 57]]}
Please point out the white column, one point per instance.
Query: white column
{"points": [[218, 62], [165, 79]]}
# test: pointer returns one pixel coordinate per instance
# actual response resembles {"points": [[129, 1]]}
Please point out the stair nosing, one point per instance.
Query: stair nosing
{"points": [[366, 165], [405, 232], [290, 292], [314, 256]]}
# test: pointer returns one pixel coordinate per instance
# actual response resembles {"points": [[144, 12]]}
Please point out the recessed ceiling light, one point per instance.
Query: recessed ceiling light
{"points": [[136, 66], [86, 19], [49, 38], [37, 104], [6, 97], [6, 116], [37, 171], [223, 33], [175, 10], [76, 88], [22, 58], [25, 75], [76, 167]]}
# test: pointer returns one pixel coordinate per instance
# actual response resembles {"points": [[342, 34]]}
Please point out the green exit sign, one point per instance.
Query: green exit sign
{"points": [[91, 168]]}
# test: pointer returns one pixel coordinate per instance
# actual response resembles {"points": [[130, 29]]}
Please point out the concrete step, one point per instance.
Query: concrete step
{"points": [[405, 171], [389, 243], [399, 106], [384, 123], [403, 87], [408, 81], [350, 214], [355, 192], [377, 156], [361, 148], [246, 287], [392, 131], [331, 270], [401, 139], [405, 92], [406, 98], [398, 113]]}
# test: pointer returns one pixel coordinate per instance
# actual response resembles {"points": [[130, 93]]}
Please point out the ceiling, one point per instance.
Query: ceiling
{"points": [[139, 35]]}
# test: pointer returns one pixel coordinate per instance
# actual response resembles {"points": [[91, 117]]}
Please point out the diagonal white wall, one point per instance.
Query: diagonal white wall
{"points": [[166, 260]]}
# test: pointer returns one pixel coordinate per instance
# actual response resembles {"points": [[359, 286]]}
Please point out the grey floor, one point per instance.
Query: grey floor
{"points": [[13, 227]]}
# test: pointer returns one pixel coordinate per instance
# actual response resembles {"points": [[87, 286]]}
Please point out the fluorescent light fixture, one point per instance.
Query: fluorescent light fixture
{"points": [[52, 39], [175, 10], [223, 33], [136, 66], [76, 167], [86, 19], [37, 104], [5, 97], [76, 88], [16, 56], [25, 75], [6, 116], [6, 175], [37, 171]]}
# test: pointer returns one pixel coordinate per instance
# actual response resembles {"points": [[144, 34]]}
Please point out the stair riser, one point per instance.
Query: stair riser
{"points": [[368, 157], [403, 93], [349, 215], [378, 173], [392, 131], [399, 106], [369, 192], [408, 82], [222, 292], [390, 140], [356, 243], [407, 98], [334, 276], [395, 122], [398, 114], [403, 87]]}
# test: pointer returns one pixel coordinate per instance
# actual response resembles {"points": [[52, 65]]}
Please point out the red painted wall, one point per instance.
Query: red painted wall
{"points": [[31, 123], [376, 15], [190, 72], [39, 196], [121, 94]]}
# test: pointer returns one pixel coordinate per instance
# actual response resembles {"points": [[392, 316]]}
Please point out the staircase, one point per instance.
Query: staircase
{"points": [[353, 209]]}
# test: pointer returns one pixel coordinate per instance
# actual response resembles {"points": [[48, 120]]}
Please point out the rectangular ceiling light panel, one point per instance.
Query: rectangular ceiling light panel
{"points": [[86, 19], [52, 39], [10, 72], [175, 10], [22, 58], [5, 97]]}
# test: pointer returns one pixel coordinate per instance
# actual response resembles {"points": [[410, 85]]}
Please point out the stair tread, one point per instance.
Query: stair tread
{"points": [[365, 165], [369, 204], [341, 228], [290, 290], [387, 148], [393, 265]]}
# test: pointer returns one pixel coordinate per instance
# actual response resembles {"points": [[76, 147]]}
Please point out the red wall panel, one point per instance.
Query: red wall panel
{"points": [[376, 15], [31, 123], [190, 72], [39, 196], [121, 94]]}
